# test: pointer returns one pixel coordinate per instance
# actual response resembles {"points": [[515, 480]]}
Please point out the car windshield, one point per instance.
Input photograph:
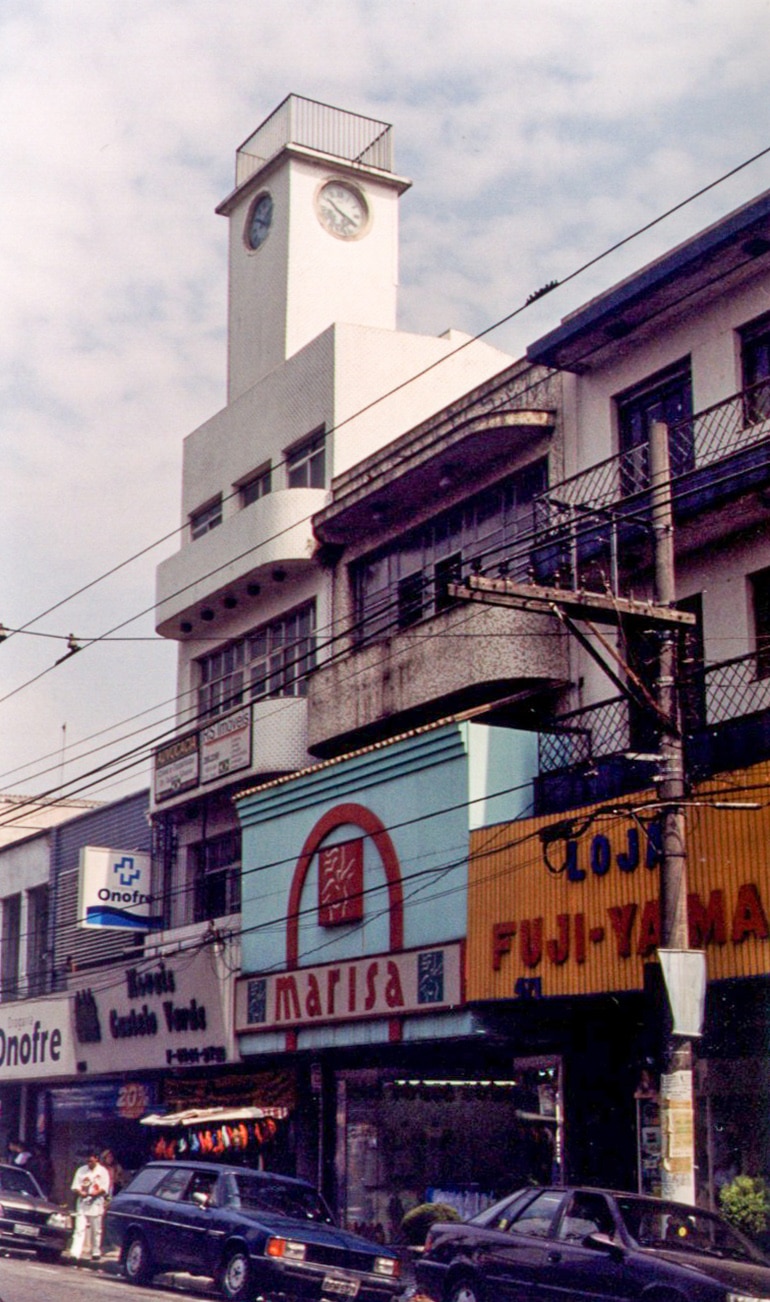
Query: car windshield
{"points": [[252, 1194], [656, 1224], [19, 1182]]}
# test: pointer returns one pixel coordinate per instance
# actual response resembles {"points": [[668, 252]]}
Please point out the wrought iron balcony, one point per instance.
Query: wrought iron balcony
{"points": [[597, 522], [587, 754]]}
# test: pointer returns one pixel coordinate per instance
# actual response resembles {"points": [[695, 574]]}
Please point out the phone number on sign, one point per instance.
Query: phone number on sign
{"points": [[185, 1057]]}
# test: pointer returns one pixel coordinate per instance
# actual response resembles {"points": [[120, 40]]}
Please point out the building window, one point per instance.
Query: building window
{"points": [[281, 655], [9, 959], [407, 581], [221, 681], [410, 600], [665, 397], [755, 359], [37, 940], [449, 570], [306, 463], [259, 485], [215, 876], [760, 593], [207, 518], [273, 660]]}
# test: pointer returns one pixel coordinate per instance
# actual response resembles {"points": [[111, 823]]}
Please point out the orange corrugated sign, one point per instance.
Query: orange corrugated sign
{"points": [[577, 911]]}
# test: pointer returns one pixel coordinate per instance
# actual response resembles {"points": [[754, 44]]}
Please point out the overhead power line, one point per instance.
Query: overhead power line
{"points": [[109, 635]]}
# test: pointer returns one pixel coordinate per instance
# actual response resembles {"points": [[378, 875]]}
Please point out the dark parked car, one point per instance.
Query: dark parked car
{"points": [[253, 1232], [564, 1245], [27, 1218]]}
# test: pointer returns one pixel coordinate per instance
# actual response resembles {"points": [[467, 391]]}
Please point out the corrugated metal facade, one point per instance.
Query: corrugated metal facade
{"points": [[592, 926], [122, 825]]}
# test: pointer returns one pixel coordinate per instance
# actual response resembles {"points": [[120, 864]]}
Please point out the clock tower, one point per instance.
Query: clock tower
{"points": [[313, 234]]}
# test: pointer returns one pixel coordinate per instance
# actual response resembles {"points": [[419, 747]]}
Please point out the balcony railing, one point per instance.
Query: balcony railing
{"points": [[328, 130], [594, 517], [718, 694]]}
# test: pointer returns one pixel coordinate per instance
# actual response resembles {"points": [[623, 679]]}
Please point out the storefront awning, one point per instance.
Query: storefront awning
{"points": [[213, 1116]]}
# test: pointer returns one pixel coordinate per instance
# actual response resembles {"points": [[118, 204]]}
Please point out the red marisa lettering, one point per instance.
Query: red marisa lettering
{"points": [[313, 1006], [332, 981], [371, 990], [394, 995]]}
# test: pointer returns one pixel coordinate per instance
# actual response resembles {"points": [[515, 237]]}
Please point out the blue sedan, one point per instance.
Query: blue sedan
{"points": [[253, 1232], [590, 1245]]}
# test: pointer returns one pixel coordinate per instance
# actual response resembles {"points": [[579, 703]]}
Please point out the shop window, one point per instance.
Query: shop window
{"points": [[665, 397], [465, 1142], [760, 592], [207, 518], [215, 873], [755, 360], [306, 463], [258, 485]]}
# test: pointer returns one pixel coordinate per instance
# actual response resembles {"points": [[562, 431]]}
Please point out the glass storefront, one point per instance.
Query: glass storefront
{"points": [[409, 1139]]}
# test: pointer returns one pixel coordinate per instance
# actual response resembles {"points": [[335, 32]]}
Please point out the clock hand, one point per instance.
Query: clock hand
{"points": [[345, 217]]}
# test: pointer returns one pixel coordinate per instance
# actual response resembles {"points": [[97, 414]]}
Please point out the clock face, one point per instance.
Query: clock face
{"points": [[259, 221], [342, 209]]}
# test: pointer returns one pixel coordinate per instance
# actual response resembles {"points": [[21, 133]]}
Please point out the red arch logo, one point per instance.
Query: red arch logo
{"points": [[367, 822]]}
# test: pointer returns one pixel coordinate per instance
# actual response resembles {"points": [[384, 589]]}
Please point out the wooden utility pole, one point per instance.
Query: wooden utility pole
{"points": [[676, 1084], [676, 1092]]}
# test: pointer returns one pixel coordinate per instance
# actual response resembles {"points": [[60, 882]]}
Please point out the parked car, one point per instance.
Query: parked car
{"points": [[27, 1218], [572, 1244], [253, 1232]]}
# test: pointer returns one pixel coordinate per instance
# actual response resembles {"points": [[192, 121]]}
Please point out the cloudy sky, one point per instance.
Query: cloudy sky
{"points": [[537, 134]]}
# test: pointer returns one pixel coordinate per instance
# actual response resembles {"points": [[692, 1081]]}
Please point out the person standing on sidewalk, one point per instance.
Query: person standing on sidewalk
{"points": [[91, 1184]]}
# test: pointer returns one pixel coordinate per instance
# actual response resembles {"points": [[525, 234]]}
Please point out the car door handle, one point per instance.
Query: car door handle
{"points": [[554, 1257]]}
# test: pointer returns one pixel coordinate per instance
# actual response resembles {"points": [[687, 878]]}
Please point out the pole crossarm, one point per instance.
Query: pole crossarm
{"points": [[596, 606]]}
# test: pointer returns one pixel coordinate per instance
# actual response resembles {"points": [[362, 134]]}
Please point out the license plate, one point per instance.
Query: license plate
{"points": [[28, 1231], [340, 1287]]}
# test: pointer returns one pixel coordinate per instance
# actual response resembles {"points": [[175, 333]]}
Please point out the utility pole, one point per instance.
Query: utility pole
{"points": [[677, 1118], [683, 969]]}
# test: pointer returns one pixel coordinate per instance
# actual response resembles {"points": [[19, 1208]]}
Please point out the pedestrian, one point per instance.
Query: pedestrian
{"points": [[18, 1152], [116, 1172], [91, 1184], [42, 1168]]}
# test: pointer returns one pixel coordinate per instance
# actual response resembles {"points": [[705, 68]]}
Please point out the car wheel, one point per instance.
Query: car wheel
{"points": [[464, 1289], [235, 1276], [137, 1266]]}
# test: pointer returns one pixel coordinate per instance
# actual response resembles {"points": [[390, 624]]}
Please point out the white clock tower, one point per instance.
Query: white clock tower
{"points": [[313, 234]]}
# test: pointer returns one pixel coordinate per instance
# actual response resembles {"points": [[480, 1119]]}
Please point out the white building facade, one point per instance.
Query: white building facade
{"points": [[318, 378]]}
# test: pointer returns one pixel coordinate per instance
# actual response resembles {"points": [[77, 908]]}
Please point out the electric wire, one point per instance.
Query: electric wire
{"points": [[453, 353]]}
